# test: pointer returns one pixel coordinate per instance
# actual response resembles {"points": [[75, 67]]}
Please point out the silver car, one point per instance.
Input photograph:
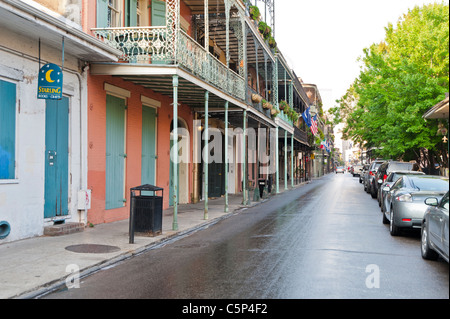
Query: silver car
{"points": [[388, 182], [405, 206], [435, 229]]}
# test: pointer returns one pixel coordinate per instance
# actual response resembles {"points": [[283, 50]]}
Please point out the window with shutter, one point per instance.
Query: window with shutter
{"points": [[7, 130]]}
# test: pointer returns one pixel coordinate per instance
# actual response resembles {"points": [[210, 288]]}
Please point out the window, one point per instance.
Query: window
{"points": [[109, 13], [7, 130], [113, 13]]}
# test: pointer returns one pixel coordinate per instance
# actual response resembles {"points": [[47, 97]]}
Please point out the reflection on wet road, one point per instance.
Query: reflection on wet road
{"points": [[322, 240]]}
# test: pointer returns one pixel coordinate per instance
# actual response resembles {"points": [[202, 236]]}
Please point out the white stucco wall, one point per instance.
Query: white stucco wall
{"points": [[22, 199]]}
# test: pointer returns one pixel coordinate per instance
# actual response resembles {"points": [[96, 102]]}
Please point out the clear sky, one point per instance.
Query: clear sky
{"points": [[322, 39]]}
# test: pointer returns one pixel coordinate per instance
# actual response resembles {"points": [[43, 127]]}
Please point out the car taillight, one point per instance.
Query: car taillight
{"points": [[384, 177], [371, 173]]}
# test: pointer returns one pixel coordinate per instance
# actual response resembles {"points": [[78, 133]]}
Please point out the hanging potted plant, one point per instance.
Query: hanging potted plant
{"points": [[256, 98], [266, 104]]}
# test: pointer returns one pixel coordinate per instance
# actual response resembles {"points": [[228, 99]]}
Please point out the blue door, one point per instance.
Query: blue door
{"points": [[115, 152], [56, 158]]}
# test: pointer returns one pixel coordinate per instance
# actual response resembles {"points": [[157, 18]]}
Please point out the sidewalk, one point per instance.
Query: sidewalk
{"points": [[31, 267]]}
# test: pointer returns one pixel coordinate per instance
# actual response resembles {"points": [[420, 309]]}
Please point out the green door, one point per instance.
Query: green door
{"points": [[159, 19], [148, 146], [56, 189], [115, 152]]}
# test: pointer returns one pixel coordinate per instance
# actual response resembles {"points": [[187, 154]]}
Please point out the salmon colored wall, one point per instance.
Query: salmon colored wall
{"points": [[97, 144]]}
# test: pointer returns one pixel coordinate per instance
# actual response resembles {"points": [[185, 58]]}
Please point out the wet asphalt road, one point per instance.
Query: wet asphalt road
{"points": [[324, 240]]}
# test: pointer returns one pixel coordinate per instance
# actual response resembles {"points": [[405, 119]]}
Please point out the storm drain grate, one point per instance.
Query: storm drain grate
{"points": [[92, 249]]}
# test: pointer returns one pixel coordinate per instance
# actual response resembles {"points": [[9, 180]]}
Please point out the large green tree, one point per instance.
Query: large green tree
{"points": [[401, 78]]}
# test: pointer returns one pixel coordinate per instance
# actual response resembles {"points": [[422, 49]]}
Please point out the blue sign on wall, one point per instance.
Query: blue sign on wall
{"points": [[50, 82]]}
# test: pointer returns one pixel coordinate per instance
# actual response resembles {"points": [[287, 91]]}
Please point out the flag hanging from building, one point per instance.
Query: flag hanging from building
{"points": [[314, 128], [307, 117]]}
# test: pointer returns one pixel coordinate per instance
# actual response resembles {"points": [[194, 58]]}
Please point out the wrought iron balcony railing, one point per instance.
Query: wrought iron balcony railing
{"points": [[150, 45]]}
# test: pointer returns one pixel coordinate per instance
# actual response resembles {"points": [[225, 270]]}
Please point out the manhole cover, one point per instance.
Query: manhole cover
{"points": [[92, 249]]}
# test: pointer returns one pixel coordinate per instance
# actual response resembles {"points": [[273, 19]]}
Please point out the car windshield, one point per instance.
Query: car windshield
{"points": [[401, 166], [430, 183]]}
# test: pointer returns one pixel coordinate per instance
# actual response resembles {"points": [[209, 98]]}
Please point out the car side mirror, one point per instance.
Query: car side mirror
{"points": [[386, 188], [431, 201]]}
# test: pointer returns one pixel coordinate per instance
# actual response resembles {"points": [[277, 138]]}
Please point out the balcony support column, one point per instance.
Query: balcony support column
{"points": [[244, 160], [277, 158], [285, 161], [206, 155], [175, 153], [226, 157], [206, 25], [292, 160]]}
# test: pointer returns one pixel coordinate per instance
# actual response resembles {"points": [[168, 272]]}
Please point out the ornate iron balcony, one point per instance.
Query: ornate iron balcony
{"points": [[151, 45]]}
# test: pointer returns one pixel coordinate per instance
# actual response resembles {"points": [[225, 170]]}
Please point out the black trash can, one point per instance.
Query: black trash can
{"points": [[262, 185], [146, 211]]}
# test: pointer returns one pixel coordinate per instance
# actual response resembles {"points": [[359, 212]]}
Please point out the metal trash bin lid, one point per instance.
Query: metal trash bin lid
{"points": [[147, 187]]}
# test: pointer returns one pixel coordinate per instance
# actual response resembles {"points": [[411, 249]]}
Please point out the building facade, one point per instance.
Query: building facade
{"points": [[191, 96]]}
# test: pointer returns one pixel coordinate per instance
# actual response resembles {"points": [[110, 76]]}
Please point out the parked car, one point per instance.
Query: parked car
{"points": [[434, 229], [356, 170], [390, 166], [405, 200], [340, 169], [390, 180], [369, 181], [363, 173]]}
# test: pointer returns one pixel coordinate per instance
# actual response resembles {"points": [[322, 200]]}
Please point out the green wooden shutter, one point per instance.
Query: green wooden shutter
{"points": [[102, 13], [7, 130], [158, 13], [148, 145], [131, 13], [115, 152]]}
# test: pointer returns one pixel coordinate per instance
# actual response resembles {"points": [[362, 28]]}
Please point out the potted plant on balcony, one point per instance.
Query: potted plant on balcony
{"points": [[254, 13], [283, 105], [272, 43], [265, 30]]}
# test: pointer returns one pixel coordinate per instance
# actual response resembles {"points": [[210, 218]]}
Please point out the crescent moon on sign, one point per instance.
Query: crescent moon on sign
{"points": [[47, 76]]}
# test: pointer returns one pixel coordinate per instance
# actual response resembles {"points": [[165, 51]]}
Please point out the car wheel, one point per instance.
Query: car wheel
{"points": [[385, 220], [427, 252], [393, 229], [373, 191]]}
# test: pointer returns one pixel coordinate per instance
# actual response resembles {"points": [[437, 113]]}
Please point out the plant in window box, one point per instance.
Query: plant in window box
{"points": [[254, 13]]}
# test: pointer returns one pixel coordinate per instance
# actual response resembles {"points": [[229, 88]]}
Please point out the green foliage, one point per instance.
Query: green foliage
{"points": [[401, 78]]}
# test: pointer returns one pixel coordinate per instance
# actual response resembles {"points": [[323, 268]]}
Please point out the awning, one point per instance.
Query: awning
{"points": [[19, 17]]}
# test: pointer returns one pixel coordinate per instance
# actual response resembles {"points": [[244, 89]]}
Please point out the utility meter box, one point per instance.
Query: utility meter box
{"points": [[84, 199]]}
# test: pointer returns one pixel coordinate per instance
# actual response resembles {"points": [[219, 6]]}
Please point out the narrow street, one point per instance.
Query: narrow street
{"points": [[324, 240]]}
